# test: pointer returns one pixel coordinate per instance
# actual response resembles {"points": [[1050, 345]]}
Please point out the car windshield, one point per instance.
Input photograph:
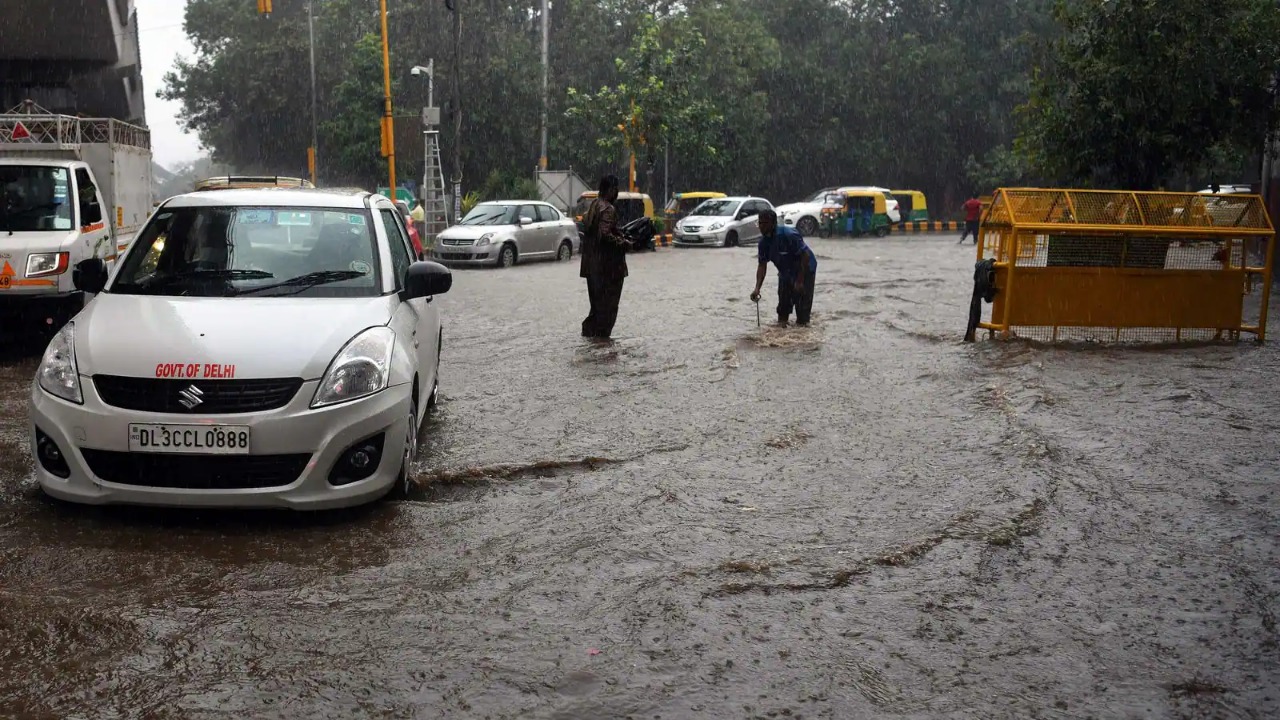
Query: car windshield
{"points": [[225, 251], [491, 214], [34, 198], [818, 196], [716, 208]]}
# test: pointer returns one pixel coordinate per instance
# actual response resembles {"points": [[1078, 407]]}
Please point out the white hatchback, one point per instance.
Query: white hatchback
{"points": [[722, 222], [254, 348]]}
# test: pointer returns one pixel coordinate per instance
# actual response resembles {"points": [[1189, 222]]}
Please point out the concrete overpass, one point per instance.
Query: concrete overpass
{"points": [[72, 56]]}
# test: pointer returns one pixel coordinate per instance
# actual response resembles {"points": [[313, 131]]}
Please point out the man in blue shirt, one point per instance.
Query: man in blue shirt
{"points": [[797, 268]]}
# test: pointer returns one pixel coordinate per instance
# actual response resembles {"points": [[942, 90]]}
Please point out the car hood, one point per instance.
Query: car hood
{"points": [[704, 220], [245, 337], [473, 232], [800, 207]]}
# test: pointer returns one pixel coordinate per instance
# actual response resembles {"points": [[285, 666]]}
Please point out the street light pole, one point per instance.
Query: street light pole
{"points": [[456, 6], [311, 154], [388, 124], [546, 32]]}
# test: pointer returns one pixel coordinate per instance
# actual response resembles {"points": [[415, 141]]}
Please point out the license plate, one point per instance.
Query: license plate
{"points": [[692, 239], [189, 439]]}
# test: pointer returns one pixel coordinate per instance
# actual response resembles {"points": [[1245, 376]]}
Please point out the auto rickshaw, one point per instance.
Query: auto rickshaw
{"points": [[682, 203], [911, 205], [861, 213], [630, 206]]}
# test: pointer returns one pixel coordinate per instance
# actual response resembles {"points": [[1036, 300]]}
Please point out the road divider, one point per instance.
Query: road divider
{"points": [[929, 226]]}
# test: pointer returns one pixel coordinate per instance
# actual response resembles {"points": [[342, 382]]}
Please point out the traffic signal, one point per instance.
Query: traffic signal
{"points": [[264, 7]]}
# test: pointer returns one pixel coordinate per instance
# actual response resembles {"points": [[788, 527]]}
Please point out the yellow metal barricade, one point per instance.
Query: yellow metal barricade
{"points": [[1127, 266]]}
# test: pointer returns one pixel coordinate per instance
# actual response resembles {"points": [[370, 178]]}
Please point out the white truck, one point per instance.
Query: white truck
{"points": [[71, 188]]}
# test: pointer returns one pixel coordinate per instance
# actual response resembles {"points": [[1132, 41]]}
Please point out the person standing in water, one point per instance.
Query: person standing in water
{"points": [[604, 260], [797, 268]]}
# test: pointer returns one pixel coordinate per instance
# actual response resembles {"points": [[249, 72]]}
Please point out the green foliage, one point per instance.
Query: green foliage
{"points": [[507, 185], [656, 100], [469, 202], [354, 139], [1136, 92]]}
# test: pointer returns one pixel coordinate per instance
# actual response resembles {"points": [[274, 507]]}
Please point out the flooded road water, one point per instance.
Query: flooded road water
{"points": [[705, 520]]}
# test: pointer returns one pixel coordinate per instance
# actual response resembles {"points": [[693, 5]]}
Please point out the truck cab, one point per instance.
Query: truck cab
{"points": [[70, 189]]}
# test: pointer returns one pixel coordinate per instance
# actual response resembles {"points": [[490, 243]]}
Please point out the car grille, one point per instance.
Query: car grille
{"points": [[218, 397], [692, 228], [195, 472], [461, 256], [456, 241]]}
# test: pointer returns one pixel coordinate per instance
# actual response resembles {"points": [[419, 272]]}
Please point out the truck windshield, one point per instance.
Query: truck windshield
{"points": [[34, 198], [258, 251]]}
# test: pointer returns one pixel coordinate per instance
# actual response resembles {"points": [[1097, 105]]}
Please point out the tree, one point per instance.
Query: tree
{"points": [[1136, 91], [655, 100], [354, 137]]}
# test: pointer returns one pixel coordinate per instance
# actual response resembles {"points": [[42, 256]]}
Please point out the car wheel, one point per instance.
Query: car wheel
{"points": [[507, 256], [403, 485], [807, 226], [731, 240], [566, 251]]}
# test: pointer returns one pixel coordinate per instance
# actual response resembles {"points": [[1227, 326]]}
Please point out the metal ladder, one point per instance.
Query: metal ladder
{"points": [[434, 202]]}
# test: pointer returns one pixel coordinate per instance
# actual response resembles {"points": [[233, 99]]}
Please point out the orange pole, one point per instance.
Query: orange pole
{"points": [[388, 124]]}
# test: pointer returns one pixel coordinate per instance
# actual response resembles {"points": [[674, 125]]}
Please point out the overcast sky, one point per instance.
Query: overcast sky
{"points": [[162, 40]]}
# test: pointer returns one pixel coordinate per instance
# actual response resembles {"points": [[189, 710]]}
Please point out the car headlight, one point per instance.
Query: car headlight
{"points": [[485, 239], [716, 225], [58, 374], [54, 263], [360, 369]]}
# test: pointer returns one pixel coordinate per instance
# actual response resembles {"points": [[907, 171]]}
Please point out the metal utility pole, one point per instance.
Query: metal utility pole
{"points": [[311, 153], [388, 124], [666, 171], [456, 7], [546, 38]]}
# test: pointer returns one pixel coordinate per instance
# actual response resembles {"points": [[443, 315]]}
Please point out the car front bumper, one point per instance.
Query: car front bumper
{"points": [[295, 431], [465, 254], [700, 239]]}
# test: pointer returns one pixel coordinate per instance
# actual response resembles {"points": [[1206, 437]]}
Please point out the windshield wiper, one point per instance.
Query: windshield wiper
{"points": [[210, 275], [310, 280]]}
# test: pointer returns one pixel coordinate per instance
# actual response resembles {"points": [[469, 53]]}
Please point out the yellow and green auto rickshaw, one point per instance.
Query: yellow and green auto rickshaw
{"points": [[911, 205], [863, 212], [681, 204]]}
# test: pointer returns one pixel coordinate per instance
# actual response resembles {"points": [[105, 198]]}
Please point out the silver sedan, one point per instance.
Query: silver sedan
{"points": [[505, 232]]}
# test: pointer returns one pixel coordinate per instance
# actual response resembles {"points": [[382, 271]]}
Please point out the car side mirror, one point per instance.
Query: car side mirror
{"points": [[90, 276], [526, 220], [425, 278]]}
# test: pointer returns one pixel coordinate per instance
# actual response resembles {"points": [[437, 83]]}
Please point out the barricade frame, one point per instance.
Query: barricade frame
{"points": [[1122, 265]]}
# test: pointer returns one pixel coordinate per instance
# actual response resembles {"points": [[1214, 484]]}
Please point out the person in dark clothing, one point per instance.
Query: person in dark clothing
{"points": [[604, 260], [797, 268]]}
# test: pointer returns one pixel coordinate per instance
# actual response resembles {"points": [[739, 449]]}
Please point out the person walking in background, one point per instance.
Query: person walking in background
{"points": [[419, 217], [604, 260], [972, 214]]}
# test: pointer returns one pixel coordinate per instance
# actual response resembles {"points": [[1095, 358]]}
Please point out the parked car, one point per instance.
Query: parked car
{"points": [[506, 232], [723, 222], [805, 215], [253, 348]]}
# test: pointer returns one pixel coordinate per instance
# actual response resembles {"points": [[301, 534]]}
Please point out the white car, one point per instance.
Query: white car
{"points": [[722, 222], [805, 215], [505, 232], [254, 348]]}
